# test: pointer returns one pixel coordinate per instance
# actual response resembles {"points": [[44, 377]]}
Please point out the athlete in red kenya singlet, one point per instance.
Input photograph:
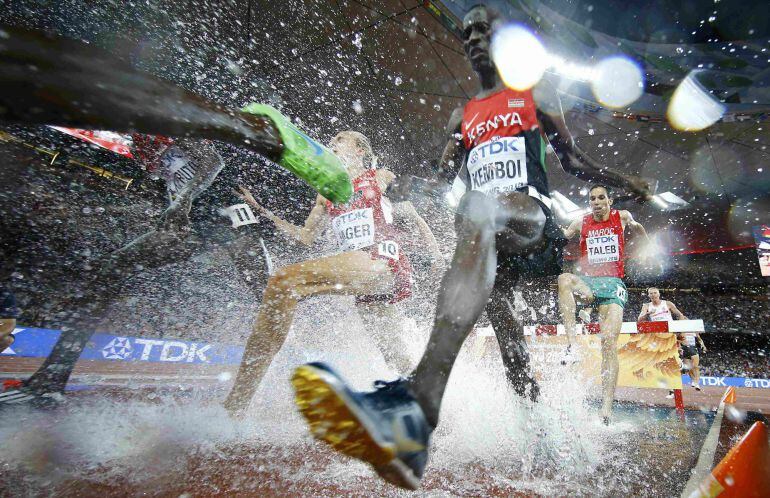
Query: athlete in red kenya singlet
{"points": [[506, 151]]}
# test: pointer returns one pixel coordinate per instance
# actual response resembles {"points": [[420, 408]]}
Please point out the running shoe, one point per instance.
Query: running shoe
{"points": [[670, 395], [385, 428], [585, 316], [695, 386]]}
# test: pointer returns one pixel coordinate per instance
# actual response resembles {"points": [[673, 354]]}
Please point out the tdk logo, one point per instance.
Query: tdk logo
{"points": [[118, 349], [495, 147]]}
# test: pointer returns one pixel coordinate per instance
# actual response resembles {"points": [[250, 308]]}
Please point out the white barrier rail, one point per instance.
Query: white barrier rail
{"points": [[666, 327]]}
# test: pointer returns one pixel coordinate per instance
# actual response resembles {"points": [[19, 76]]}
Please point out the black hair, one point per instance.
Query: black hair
{"points": [[494, 14], [601, 185]]}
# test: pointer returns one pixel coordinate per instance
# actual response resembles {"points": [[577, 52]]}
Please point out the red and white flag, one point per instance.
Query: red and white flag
{"points": [[119, 144]]}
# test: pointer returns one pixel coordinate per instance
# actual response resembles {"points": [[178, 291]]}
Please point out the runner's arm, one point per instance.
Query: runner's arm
{"points": [[573, 159], [675, 311], [573, 229], [702, 346], [6, 326], [384, 178], [633, 226], [305, 234], [643, 314], [407, 211], [453, 155]]}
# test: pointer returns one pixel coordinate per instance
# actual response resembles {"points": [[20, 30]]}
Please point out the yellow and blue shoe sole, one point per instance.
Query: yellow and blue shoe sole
{"points": [[335, 418]]}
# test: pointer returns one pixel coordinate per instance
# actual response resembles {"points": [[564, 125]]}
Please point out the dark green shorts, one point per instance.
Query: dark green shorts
{"points": [[607, 290]]}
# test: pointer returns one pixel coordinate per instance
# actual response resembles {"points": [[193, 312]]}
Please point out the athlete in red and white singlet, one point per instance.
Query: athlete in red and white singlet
{"points": [[366, 222], [658, 310], [598, 280], [371, 266], [659, 313]]}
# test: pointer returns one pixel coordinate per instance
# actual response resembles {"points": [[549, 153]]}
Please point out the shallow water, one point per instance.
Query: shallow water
{"points": [[488, 442]]}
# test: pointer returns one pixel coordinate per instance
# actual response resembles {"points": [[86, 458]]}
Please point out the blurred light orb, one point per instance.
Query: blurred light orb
{"points": [[693, 108], [519, 56], [617, 82]]}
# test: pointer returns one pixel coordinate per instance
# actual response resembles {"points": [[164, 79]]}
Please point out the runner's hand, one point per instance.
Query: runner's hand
{"points": [[245, 196], [640, 187]]}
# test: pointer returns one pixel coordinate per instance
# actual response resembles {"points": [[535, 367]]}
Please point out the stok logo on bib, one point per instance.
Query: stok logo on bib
{"points": [[491, 148], [508, 119]]}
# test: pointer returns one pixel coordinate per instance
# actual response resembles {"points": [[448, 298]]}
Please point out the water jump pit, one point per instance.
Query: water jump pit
{"points": [[166, 434]]}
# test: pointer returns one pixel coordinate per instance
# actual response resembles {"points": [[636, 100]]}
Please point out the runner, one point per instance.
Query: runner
{"points": [[372, 267], [57, 81], [505, 230], [691, 356], [8, 314], [602, 249], [171, 241], [660, 310]]}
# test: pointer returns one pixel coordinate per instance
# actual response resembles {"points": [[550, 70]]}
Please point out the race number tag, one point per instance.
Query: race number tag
{"points": [[388, 249], [498, 166], [240, 214], [689, 339], [355, 229], [603, 249], [177, 169]]}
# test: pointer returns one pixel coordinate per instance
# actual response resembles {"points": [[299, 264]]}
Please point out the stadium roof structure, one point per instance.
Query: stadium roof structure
{"points": [[395, 69]]}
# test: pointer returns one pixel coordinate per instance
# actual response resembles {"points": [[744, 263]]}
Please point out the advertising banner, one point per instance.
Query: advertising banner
{"points": [[646, 360]]}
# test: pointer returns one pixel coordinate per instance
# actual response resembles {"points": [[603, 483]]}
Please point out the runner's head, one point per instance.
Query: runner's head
{"points": [[354, 149], [478, 24], [600, 200], [654, 294]]}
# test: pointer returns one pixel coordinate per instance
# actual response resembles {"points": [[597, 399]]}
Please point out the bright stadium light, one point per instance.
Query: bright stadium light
{"points": [[519, 56], [617, 82], [692, 107], [521, 60]]}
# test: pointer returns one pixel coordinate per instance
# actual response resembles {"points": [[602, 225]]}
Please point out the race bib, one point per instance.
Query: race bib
{"points": [[240, 214], [498, 166], [388, 249], [603, 249], [177, 169], [689, 339], [355, 229]]}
